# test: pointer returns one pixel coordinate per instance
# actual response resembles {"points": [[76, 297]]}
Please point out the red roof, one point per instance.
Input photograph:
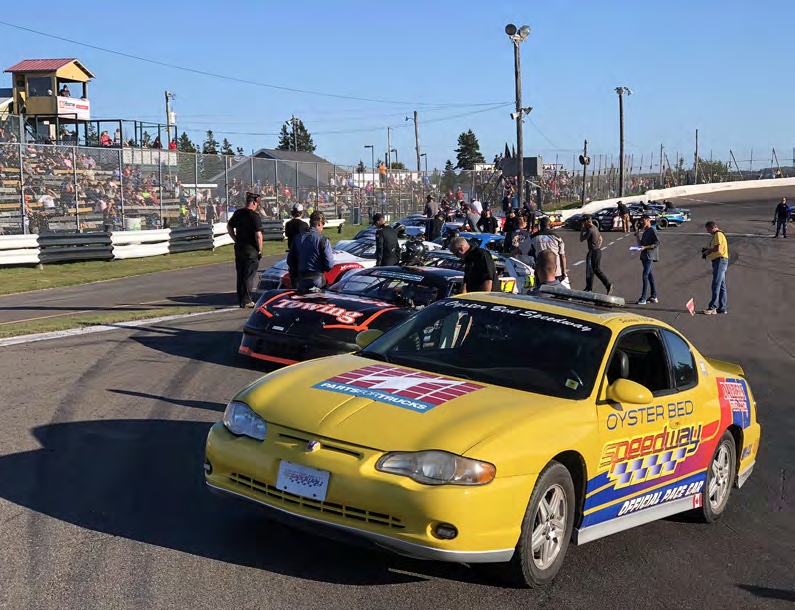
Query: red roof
{"points": [[40, 65]]}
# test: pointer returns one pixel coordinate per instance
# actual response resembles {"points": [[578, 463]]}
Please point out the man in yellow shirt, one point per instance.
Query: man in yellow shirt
{"points": [[718, 254]]}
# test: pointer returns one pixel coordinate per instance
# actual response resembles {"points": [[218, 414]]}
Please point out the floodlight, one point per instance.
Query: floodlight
{"points": [[524, 31], [510, 29]]}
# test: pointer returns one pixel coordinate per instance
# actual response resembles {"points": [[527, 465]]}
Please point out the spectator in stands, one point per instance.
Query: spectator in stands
{"points": [[172, 145], [64, 92]]}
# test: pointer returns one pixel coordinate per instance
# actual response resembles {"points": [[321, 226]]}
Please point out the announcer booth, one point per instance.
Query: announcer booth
{"points": [[52, 96]]}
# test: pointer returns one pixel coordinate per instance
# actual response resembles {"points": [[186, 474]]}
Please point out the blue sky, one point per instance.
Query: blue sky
{"points": [[719, 66]]}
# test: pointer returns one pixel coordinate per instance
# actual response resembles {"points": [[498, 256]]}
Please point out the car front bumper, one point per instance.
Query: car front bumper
{"points": [[282, 348], [390, 511]]}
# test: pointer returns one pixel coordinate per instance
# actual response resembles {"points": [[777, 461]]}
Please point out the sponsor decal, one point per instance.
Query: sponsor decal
{"points": [[648, 457], [341, 297], [342, 315], [662, 496], [524, 313], [648, 415], [409, 277], [747, 452], [734, 398], [403, 388], [703, 367]]}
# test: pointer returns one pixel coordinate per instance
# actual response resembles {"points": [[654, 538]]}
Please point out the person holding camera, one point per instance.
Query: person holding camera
{"points": [[718, 254], [245, 229], [649, 243]]}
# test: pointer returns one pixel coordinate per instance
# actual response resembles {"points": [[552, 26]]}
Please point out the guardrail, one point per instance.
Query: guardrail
{"points": [[71, 247]]}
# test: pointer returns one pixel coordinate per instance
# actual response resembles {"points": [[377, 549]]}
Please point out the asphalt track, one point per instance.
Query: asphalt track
{"points": [[102, 502]]}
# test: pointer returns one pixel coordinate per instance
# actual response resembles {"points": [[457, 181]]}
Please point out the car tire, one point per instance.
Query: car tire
{"points": [[554, 497], [662, 223], [721, 473]]}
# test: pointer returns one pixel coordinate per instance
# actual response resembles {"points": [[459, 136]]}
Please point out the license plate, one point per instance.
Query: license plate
{"points": [[303, 481]]}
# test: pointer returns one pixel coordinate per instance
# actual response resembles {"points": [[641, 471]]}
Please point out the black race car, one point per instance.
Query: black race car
{"points": [[287, 327]]}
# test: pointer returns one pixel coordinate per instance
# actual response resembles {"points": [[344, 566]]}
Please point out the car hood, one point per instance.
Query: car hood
{"points": [[387, 407]]}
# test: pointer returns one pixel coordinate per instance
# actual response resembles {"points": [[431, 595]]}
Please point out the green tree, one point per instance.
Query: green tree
{"points": [[226, 148], [360, 169], [146, 139], [210, 145], [92, 137], [468, 151], [185, 145], [449, 178], [240, 151], [398, 165], [712, 170], [302, 138]]}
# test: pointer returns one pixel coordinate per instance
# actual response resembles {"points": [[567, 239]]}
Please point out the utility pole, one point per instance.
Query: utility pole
{"points": [[417, 140], [695, 163], [295, 135], [389, 148], [169, 97], [621, 91], [661, 163]]}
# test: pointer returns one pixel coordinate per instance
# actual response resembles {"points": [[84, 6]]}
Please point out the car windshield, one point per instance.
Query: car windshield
{"points": [[526, 349], [400, 288], [445, 262], [362, 248]]}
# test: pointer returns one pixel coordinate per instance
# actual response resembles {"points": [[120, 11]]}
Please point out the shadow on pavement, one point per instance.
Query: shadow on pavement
{"points": [[143, 480], [215, 347], [181, 402], [212, 299], [766, 592]]}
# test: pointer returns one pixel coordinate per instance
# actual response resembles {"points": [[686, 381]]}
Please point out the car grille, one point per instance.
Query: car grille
{"points": [[285, 498]]}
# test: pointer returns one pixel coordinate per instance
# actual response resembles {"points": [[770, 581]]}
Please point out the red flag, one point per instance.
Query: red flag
{"points": [[691, 307]]}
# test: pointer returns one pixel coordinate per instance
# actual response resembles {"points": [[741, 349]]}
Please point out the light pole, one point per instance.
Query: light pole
{"points": [[425, 155], [621, 91], [518, 37], [416, 137], [372, 164], [394, 150]]}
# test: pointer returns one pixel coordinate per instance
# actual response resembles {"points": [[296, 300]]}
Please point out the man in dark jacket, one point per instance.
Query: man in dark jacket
{"points": [[436, 226], [480, 273], [781, 217], [487, 222], [311, 256], [649, 244], [296, 225], [387, 249]]}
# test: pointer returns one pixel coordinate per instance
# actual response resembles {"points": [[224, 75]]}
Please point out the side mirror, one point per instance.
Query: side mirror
{"points": [[626, 391], [366, 337]]}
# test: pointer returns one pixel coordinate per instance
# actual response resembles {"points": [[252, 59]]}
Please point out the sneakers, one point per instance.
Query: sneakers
{"points": [[654, 300], [644, 301], [709, 312], [249, 305], [610, 289], [641, 302]]}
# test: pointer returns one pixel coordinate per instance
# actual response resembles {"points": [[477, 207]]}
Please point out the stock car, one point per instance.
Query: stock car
{"points": [[440, 439], [414, 225], [608, 219], [349, 255], [515, 275], [286, 326]]}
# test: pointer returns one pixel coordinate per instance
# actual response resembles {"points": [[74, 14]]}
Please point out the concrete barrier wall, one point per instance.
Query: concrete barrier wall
{"points": [[749, 186]]}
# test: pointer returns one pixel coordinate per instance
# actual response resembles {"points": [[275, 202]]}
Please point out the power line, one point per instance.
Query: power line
{"points": [[222, 76]]}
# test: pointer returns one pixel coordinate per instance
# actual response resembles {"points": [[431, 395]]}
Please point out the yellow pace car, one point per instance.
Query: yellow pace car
{"points": [[494, 428]]}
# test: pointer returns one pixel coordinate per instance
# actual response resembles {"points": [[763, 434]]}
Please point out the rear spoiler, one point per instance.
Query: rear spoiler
{"points": [[726, 367]]}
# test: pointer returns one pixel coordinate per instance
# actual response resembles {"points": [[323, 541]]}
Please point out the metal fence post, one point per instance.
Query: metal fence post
{"points": [[196, 173], [23, 211], [77, 194], [121, 189], [226, 186], [160, 182], [317, 186], [251, 160]]}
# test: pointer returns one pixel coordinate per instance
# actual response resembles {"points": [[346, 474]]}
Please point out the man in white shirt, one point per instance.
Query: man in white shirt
{"points": [[476, 206]]}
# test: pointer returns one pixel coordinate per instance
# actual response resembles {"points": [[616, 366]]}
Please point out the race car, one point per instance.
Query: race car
{"points": [[607, 219], [286, 326], [413, 225], [515, 275], [490, 241], [493, 428]]}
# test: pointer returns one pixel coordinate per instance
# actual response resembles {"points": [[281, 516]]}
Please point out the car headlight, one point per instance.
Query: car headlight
{"points": [[240, 420], [437, 468]]}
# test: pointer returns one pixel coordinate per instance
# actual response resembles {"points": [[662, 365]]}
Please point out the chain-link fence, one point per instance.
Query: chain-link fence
{"points": [[54, 188]]}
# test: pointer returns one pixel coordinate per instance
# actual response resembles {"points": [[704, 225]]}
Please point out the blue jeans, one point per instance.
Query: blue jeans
{"points": [[719, 266], [781, 225], [648, 280]]}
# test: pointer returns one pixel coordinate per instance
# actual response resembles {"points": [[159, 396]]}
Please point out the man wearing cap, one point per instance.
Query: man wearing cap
{"points": [[649, 243], [245, 229], [387, 248], [718, 255], [296, 225], [311, 256]]}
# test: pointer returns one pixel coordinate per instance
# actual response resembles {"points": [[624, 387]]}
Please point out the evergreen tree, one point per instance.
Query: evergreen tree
{"points": [[240, 151], [468, 151], [226, 148], [92, 137], [185, 145], [449, 178], [398, 165], [210, 145], [288, 140], [360, 169], [146, 139]]}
